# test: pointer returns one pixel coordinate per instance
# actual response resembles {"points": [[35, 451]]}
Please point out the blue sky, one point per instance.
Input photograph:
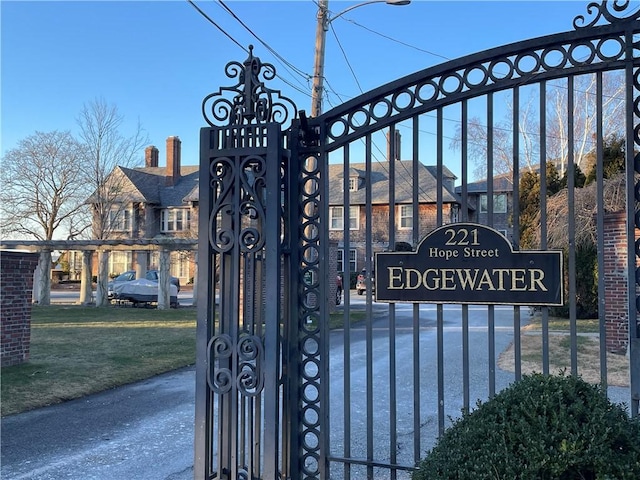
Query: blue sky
{"points": [[157, 60]]}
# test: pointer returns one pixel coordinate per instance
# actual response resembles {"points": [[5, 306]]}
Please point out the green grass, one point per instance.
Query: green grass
{"points": [[76, 351], [336, 319], [558, 324]]}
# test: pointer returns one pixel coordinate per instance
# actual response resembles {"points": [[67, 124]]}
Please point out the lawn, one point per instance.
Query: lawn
{"points": [[559, 341], [76, 351]]}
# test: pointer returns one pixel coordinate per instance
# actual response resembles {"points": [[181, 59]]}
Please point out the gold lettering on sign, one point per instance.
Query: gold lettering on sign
{"points": [[468, 279]]}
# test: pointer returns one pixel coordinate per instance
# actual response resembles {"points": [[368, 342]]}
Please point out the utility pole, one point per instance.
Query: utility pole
{"points": [[318, 67], [321, 38]]}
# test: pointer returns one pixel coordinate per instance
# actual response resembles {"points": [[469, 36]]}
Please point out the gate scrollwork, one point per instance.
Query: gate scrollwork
{"points": [[610, 11], [248, 362]]}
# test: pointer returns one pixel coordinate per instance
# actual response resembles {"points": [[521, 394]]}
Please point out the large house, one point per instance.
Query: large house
{"points": [[154, 202], [163, 202], [380, 187]]}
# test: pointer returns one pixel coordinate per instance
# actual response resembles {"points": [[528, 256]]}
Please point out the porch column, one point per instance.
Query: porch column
{"points": [[102, 296], [164, 299], [44, 278], [86, 278], [141, 264]]}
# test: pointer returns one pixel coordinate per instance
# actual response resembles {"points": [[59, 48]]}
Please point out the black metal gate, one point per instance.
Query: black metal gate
{"points": [[289, 386]]}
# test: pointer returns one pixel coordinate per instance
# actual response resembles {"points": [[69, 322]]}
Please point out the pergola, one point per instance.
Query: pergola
{"points": [[42, 283]]}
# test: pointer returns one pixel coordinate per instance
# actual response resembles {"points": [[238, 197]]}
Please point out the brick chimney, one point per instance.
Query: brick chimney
{"points": [[397, 152], [173, 161], [151, 156]]}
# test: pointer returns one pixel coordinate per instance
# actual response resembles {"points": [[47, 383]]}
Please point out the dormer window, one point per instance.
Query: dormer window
{"points": [[353, 184]]}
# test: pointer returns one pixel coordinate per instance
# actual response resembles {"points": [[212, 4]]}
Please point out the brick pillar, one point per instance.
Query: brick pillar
{"points": [[16, 285], [615, 282]]}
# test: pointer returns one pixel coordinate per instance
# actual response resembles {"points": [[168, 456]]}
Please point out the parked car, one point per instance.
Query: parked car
{"points": [[363, 281], [130, 275], [142, 292]]}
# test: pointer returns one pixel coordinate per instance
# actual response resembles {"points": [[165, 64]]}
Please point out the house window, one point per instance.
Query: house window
{"points": [[353, 184], [336, 218], [455, 213], [119, 262], [120, 220], [175, 220], [352, 260], [179, 264], [405, 216], [499, 203]]}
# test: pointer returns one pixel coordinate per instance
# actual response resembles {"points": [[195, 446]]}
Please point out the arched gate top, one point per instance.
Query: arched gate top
{"points": [[603, 40]]}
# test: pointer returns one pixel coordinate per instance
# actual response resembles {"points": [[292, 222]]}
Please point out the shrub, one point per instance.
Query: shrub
{"points": [[541, 427]]}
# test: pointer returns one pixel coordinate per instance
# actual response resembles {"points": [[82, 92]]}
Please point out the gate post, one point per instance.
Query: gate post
{"points": [[244, 254]]}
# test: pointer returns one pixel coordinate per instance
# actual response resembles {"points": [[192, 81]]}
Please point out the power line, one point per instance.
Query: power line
{"points": [[396, 40], [284, 61], [346, 59], [210, 20]]}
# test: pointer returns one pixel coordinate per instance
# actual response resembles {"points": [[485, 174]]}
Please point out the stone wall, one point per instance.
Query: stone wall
{"points": [[16, 285]]}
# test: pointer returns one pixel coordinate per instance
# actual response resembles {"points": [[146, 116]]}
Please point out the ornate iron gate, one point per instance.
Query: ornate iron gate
{"points": [[281, 394]]}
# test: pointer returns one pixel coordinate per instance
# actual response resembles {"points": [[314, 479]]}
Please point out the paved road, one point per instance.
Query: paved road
{"points": [[145, 431], [140, 432]]}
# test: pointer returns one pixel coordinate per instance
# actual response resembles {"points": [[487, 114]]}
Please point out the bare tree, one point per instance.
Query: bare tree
{"points": [[42, 194], [109, 152], [584, 117], [557, 139], [477, 134], [42, 190]]}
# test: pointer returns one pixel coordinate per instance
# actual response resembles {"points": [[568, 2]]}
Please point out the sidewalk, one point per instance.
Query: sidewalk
{"points": [[142, 431]]}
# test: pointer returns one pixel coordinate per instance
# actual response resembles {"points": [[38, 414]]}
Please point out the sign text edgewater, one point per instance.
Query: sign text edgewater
{"points": [[471, 264]]}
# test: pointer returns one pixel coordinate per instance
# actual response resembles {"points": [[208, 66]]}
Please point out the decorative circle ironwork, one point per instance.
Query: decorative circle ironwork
{"points": [[482, 73], [381, 109], [397, 100], [310, 464], [605, 44], [576, 46], [522, 59], [353, 116], [423, 96], [453, 77]]}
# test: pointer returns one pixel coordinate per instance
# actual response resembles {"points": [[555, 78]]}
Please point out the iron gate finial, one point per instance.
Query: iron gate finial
{"points": [[252, 102]]}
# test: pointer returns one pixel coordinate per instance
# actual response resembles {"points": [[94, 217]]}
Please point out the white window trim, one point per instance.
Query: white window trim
{"points": [[402, 217], [354, 214], [355, 260]]}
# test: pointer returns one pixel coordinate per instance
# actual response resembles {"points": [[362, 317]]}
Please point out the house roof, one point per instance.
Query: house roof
{"points": [[501, 183], [379, 177], [149, 185]]}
